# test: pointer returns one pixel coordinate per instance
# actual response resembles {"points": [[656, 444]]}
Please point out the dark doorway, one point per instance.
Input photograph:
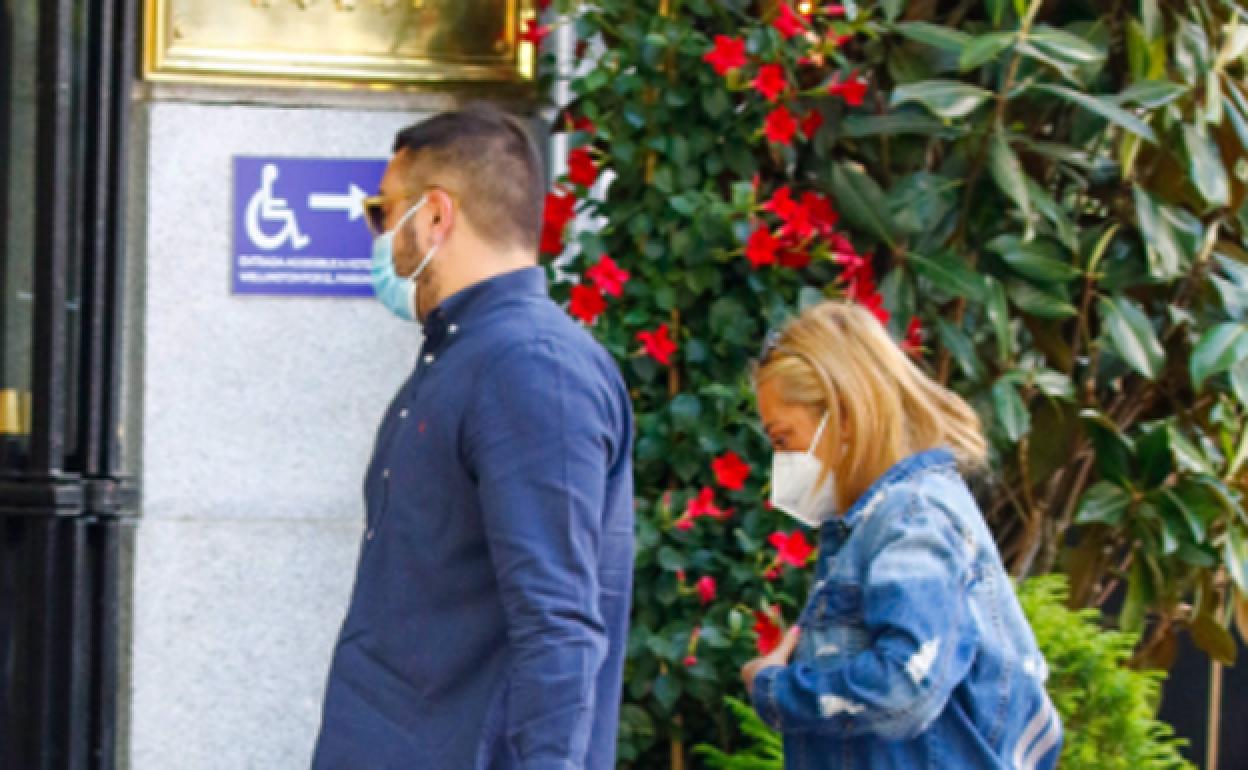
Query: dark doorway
{"points": [[66, 70]]}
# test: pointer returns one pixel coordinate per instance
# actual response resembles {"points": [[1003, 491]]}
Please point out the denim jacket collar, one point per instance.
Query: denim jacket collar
{"points": [[908, 468]]}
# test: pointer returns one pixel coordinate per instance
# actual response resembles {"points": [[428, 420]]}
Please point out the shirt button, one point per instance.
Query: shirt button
{"points": [[429, 358], [371, 534], [403, 415], [452, 329], [385, 474]]}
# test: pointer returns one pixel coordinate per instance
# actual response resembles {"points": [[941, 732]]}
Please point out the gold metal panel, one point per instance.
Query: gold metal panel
{"points": [[379, 43]]}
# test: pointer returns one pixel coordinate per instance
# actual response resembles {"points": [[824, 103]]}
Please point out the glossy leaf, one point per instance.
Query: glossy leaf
{"points": [[1104, 503], [1219, 348], [1132, 336], [1007, 172], [950, 99], [1206, 167], [1103, 107]]}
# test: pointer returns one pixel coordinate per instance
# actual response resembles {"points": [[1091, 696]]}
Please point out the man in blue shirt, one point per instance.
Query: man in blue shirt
{"points": [[487, 626]]}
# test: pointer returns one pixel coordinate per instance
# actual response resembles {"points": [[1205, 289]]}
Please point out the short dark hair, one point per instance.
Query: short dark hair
{"points": [[491, 161]]}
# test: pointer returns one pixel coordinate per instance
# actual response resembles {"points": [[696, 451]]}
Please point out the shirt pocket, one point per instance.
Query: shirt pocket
{"points": [[833, 626]]}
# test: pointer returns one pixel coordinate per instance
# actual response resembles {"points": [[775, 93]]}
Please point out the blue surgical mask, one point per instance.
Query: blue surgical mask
{"points": [[397, 293]]}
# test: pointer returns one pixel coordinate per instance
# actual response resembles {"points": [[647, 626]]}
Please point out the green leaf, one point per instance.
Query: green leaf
{"points": [[1103, 107], [1239, 381], [857, 126], [1011, 412], [1039, 260], [1235, 556], [1219, 348], [1065, 46], [985, 48], [963, 350], [951, 274], [998, 307], [1215, 641], [1113, 449], [1104, 503], [672, 560], [1165, 255], [893, 8], [1139, 595], [1132, 337], [949, 99], [1178, 500], [1152, 94], [1205, 165], [935, 35], [861, 201], [1186, 455], [1007, 172], [1039, 303], [1150, 19], [667, 691]]}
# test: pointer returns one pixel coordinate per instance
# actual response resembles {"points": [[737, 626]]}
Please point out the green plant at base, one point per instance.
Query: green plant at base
{"points": [[1108, 708]]}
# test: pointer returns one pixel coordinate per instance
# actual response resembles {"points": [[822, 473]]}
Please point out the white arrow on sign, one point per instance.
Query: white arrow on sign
{"points": [[352, 202]]}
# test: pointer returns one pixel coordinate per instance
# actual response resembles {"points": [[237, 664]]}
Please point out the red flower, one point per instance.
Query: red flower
{"points": [[780, 126], [684, 523], [581, 123], [853, 90], [559, 210], [795, 259], [913, 343], [769, 632], [608, 276], [772, 574], [552, 240], [761, 248], [706, 589], [731, 471], [534, 33], [690, 661], [771, 81], [781, 203], [727, 55], [659, 344], [819, 212], [834, 10], [788, 22], [811, 123], [581, 167], [587, 303], [704, 505], [792, 549], [863, 291]]}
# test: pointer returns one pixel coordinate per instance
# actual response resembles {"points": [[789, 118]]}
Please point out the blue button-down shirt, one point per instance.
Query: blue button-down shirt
{"points": [[487, 627], [914, 651]]}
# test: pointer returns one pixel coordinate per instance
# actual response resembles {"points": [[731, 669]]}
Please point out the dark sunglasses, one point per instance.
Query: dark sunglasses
{"points": [[375, 212]]}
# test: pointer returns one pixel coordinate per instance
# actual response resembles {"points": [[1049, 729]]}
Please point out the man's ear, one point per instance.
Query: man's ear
{"points": [[442, 214]]}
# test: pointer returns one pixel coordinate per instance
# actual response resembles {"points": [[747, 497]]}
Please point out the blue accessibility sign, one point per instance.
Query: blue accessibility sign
{"points": [[299, 226]]}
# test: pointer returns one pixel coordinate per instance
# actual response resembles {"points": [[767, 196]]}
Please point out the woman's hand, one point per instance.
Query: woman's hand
{"points": [[777, 657]]}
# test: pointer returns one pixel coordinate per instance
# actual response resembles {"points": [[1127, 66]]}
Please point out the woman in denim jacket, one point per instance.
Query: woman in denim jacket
{"points": [[912, 652]]}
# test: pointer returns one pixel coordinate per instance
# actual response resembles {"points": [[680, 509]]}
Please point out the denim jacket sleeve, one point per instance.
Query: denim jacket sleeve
{"points": [[539, 441], [916, 612]]}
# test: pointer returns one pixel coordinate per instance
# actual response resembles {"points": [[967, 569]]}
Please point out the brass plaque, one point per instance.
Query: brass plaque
{"points": [[362, 42]]}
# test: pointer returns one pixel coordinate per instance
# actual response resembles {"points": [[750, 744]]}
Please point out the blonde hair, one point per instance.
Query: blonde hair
{"points": [[836, 358]]}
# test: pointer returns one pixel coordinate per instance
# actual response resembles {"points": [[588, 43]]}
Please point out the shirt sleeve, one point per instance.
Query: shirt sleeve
{"points": [[917, 613], [539, 442]]}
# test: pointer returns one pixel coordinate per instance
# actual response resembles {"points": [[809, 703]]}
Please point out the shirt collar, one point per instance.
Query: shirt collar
{"points": [[524, 283], [914, 465]]}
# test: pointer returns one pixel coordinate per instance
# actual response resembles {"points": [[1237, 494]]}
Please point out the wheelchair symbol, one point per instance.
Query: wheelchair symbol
{"points": [[266, 208]]}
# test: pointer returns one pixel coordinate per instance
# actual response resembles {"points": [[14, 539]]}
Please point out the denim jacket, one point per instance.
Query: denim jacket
{"points": [[914, 653]]}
